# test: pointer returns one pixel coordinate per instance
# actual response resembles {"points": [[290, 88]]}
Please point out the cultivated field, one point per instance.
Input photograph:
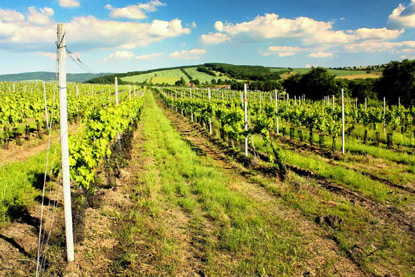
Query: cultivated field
{"points": [[174, 193]]}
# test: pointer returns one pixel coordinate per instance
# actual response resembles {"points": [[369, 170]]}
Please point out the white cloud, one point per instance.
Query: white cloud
{"points": [[149, 56], [282, 51], [41, 17], [134, 11], [50, 55], [38, 33], [10, 16], [308, 66], [307, 30], [218, 26], [191, 54], [119, 56], [69, 3], [380, 46], [403, 17], [193, 25], [321, 55], [215, 38]]}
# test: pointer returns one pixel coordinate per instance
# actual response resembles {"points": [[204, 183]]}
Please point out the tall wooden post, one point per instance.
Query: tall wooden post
{"points": [[64, 142], [342, 122], [210, 119], [276, 110]]}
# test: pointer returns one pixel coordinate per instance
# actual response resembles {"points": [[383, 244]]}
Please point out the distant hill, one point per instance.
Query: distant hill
{"points": [[214, 72], [49, 76]]}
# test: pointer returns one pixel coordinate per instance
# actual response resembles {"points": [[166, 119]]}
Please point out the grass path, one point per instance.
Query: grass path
{"points": [[177, 210], [211, 220]]}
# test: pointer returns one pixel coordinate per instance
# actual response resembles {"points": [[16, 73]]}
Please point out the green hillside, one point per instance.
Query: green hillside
{"points": [[49, 77], [169, 76]]}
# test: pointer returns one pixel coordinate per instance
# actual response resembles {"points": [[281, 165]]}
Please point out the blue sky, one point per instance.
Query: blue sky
{"points": [[120, 36]]}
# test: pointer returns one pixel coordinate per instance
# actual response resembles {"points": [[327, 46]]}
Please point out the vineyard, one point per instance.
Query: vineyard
{"points": [[180, 181]]}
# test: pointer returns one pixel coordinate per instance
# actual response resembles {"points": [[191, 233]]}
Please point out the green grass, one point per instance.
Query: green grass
{"points": [[17, 186], [177, 178], [165, 76]]}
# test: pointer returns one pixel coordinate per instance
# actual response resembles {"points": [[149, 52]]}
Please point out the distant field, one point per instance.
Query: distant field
{"points": [[165, 76], [361, 76], [170, 76], [341, 74], [336, 72], [275, 69], [203, 77]]}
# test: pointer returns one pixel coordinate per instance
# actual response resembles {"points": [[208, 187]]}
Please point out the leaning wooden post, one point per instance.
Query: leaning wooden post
{"points": [[64, 142], [342, 122], [246, 118], [333, 103]]}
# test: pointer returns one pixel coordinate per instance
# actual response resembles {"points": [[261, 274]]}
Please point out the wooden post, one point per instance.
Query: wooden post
{"points": [[276, 110], [46, 106], [246, 118], [365, 103], [333, 103], [116, 91], [116, 103], [210, 119], [129, 91], [64, 142], [384, 114], [342, 122], [191, 109]]}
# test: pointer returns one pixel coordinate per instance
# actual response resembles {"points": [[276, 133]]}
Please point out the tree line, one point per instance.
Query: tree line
{"points": [[398, 80]]}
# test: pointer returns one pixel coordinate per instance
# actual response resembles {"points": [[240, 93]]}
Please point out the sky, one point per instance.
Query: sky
{"points": [[124, 35]]}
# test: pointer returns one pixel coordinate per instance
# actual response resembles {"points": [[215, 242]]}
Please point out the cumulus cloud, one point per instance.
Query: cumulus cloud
{"points": [[119, 56], [215, 38], [380, 46], [191, 54], [37, 32], [321, 55], [10, 16], [41, 17], [402, 17], [309, 31], [149, 56], [69, 3], [134, 11]]}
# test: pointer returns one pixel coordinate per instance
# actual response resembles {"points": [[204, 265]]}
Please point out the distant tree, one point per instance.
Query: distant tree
{"points": [[398, 80], [196, 82], [180, 82], [363, 88], [292, 85], [213, 81], [318, 82]]}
